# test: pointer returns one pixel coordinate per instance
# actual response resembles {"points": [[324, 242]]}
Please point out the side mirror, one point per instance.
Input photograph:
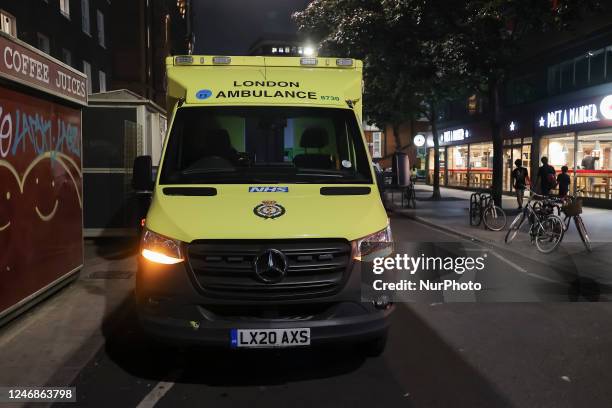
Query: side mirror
{"points": [[142, 176]]}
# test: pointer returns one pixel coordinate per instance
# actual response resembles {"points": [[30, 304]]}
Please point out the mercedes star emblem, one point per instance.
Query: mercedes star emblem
{"points": [[271, 266]]}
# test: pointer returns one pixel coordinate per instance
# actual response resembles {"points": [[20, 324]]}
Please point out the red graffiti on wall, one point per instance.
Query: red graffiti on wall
{"points": [[40, 194]]}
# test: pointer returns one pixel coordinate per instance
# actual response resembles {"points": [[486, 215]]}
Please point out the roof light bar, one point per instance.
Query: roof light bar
{"points": [[344, 62], [183, 60], [221, 60], [308, 61]]}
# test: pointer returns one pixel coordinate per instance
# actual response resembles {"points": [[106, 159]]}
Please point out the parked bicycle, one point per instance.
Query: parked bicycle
{"points": [[546, 229], [410, 195], [571, 207], [483, 209]]}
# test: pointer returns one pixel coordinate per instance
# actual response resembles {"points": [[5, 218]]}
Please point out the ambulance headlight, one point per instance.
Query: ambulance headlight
{"points": [[160, 249], [378, 244]]}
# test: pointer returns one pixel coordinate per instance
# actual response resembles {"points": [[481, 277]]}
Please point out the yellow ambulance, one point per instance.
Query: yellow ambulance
{"points": [[263, 206]]}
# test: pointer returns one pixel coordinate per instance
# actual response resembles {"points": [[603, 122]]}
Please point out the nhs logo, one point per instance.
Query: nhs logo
{"points": [[264, 189]]}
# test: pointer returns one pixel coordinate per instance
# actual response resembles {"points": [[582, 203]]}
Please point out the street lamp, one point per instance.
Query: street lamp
{"points": [[308, 51]]}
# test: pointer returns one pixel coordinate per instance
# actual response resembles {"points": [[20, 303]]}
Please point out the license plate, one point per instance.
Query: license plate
{"points": [[264, 338]]}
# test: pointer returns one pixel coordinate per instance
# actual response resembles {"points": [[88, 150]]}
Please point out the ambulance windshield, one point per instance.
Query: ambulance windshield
{"points": [[269, 144]]}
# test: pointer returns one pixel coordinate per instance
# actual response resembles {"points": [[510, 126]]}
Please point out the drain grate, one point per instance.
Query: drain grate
{"points": [[110, 275]]}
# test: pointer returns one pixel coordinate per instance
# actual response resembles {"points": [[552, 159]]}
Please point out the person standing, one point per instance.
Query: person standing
{"points": [[546, 177], [520, 179], [563, 180], [588, 163]]}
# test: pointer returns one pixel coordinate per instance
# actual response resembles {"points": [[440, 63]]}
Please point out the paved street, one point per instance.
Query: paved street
{"points": [[439, 355]]}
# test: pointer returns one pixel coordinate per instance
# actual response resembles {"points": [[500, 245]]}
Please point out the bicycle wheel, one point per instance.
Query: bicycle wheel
{"points": [[549, 234], [515, 226], [475, 218], [584, 236], [494, 218]]}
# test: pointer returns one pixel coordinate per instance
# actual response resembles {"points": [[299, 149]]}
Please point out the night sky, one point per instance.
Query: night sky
{"points": [[231, 26]]}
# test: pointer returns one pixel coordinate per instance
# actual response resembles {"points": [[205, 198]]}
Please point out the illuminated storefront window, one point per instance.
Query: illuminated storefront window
{"points": [[587, 155], [559, 149], [481, 165], [593, 163], [458, 166]]}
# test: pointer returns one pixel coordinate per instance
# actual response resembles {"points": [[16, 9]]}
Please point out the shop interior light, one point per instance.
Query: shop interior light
{"points": [[222, 60], [597, 146], [308, 61], [183, 59], [344, 62]]}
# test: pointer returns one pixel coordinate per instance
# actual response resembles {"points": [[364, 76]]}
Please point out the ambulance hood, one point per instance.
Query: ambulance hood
{"points": [[267, 212]]}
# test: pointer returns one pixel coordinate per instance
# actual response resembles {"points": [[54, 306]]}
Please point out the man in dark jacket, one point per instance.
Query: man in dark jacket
{"points": [[546, 177]]}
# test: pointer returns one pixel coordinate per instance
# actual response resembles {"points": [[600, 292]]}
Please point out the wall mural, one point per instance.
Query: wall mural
{"points": [[40, 194]]}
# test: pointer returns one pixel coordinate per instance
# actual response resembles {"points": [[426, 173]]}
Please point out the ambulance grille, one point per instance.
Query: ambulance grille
{"points": [[225, 268]]}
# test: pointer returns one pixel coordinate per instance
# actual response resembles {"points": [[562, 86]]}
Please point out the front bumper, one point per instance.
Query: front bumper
{"points": [[172, 309]]}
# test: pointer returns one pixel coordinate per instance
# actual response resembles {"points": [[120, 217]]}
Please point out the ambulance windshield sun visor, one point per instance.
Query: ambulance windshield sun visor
{"points": [[237, 145]]}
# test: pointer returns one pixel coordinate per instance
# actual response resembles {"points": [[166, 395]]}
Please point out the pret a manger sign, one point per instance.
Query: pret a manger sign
{"points": [[22, 64], [576, 115]]}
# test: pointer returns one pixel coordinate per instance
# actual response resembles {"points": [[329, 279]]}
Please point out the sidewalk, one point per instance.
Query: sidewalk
{"points": [[451, 213], [51, 343]]}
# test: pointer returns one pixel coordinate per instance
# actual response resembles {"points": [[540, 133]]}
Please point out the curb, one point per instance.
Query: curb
{"points": [[463, 235], [492, 244], [441, 227]]}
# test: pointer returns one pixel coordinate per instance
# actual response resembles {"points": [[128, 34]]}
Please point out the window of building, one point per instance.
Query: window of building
{"points": [[100, 21], [567, 76], [592, 68], [43, 43], [8, 23], [522, 89], [481, 165], [553, 80], [609, 64], [102, 80], [594, 164], [85, 17], [458, 166], [597, 67], [87, 71], [66, 56], [581, 71], [559, 149], [65, 8]]}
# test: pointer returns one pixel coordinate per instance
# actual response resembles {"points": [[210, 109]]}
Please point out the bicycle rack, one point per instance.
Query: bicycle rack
{"points": [[481, 200], [474, 201]]}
